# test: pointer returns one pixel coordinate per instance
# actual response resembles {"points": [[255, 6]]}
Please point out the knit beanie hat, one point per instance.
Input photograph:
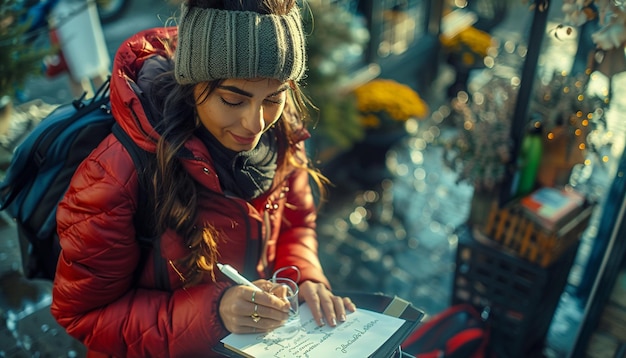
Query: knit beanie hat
{"points": [[220, 44]]}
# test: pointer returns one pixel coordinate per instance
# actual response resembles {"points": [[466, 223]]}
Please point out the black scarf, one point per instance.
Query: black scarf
{"points": [[244, 174]]}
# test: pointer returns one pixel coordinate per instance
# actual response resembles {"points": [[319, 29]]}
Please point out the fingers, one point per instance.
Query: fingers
{"points": [[261, 319], [348, 304], [266, 313], [245, 310], [264, 285], [326, 307], [270, 300], [334, 308], [313, 300]]}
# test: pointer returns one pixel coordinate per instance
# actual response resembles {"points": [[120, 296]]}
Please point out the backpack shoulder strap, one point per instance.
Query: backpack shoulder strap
{"points": [[144, 217], [42, 144]]}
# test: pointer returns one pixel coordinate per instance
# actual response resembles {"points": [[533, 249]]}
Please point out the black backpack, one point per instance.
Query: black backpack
{"points": [[43, 165]]}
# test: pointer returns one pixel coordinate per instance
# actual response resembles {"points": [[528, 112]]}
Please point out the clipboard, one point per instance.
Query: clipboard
{"points": [[378, 302]]}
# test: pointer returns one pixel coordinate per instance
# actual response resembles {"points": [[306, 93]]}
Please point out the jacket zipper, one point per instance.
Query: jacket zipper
{"points": [[252, 246], [266, 238]]}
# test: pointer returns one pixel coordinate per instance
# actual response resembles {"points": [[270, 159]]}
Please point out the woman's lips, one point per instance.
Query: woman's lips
{"points": [[243, 140]]}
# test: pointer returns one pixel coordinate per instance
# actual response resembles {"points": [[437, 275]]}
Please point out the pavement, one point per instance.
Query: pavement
{"points": [[389, 227]]}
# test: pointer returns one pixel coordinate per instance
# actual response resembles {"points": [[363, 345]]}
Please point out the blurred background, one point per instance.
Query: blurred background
{"points": [[435, 119]]}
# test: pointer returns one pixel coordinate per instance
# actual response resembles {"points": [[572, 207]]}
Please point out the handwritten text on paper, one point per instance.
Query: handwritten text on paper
{"points": [[360, 336]]}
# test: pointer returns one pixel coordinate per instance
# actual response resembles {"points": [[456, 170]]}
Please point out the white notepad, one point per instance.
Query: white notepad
{"points": [[360, 336]]}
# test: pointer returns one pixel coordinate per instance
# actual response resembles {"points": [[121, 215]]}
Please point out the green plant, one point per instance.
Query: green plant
{"points": [[19, 58], [481, 148], [563, 101], [334, 34]]}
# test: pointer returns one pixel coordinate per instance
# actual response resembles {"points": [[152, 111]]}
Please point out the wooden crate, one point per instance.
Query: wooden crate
{"points": [[517, 233]]}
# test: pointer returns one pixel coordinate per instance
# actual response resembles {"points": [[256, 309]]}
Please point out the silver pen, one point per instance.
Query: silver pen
{"points": [[235, 276]]}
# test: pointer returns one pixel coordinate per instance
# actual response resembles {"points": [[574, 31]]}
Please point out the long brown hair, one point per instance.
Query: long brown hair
{"points": [[175, 190]]}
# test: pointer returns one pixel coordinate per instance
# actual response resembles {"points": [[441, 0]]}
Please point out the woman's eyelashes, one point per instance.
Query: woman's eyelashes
{"points": [[230, 104], [277, 101]]}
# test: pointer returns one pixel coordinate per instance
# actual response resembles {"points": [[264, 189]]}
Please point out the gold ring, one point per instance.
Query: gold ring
{"points": [[253, 296], [255, 316]]}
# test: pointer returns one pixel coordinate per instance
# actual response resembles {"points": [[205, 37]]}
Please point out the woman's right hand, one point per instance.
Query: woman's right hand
{"points": [[240, 303]]}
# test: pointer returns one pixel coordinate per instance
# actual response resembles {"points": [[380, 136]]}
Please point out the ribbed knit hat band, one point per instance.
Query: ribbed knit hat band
{"points": [[220, 44]]}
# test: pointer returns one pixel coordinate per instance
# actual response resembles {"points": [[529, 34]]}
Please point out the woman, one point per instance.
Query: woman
{"points": [[217, 101]]}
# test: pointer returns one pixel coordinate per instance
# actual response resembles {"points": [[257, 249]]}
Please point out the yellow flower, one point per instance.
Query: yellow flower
{"points": [[478, 41], [398, 101], [474, 40]]}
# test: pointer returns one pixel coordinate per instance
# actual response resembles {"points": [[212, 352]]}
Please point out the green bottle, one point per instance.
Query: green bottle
{"points": [[531, 151]]}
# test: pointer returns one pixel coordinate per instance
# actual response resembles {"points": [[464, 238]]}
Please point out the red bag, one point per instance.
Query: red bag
{"points": [[457, 332]]}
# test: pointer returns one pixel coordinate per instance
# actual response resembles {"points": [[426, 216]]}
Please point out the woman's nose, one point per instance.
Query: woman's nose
{"points": [[253, 120]]}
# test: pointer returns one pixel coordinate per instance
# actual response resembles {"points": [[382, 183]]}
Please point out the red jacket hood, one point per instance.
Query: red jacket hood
{"points": [[130, 57]]}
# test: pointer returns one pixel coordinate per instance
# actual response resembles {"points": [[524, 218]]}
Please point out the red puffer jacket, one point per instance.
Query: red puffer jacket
{"points": [[95, 296]]}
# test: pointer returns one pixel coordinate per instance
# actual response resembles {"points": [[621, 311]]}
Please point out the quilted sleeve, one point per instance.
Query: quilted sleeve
{"points": [[94, 295], [297, 244]]}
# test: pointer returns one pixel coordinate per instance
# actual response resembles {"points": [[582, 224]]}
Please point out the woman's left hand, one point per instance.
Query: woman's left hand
{"points": [[324, 305]]}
